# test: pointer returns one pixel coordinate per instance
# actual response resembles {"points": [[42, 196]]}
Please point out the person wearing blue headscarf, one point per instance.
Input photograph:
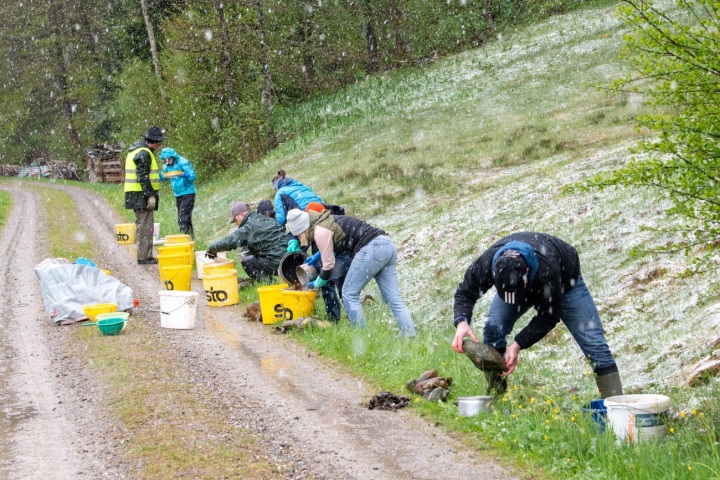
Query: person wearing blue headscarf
{"points": [[533, 270], [181, 174]]}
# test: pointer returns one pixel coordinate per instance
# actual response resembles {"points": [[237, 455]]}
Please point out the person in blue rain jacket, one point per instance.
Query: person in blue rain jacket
{"points": [[183, 186]]}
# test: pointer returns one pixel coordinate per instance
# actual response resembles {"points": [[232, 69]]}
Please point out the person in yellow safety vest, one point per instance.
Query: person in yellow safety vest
{"points": [[142, 181]]}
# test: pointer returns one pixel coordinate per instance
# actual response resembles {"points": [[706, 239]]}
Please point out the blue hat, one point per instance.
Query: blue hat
{"points": [[167, 152]]}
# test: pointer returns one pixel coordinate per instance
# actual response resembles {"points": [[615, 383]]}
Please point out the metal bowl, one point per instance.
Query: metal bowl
{"points": [[469, 406], [305, 273]]}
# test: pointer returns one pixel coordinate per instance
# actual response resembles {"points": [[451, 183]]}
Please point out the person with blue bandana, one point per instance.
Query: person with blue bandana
{"points": [[532, 269], [182, 176]]}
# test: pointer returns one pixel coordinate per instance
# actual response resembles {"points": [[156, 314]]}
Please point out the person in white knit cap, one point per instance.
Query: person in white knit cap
{"points": [[373, 257]]}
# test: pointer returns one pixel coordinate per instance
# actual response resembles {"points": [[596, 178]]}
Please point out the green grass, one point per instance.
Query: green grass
{"points": [[6, 203]]}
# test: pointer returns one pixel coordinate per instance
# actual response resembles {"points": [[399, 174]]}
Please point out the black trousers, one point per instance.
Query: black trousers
{"points": [[185, 205], [256, 270]]}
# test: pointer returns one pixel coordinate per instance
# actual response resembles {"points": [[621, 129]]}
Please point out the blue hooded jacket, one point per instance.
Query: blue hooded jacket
{"points": [[292, 194], [182, 185]]}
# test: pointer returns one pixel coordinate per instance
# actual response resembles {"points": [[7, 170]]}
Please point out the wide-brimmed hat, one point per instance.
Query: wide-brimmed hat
{"points": [[154, 134]]}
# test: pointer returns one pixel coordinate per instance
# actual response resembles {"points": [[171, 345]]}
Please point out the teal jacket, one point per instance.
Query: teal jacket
{"points": [[184, 184]]}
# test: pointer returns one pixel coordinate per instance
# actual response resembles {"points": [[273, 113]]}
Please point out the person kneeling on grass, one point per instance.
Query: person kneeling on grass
{"points": [[262, 236], [373, 256], [530, 269]]}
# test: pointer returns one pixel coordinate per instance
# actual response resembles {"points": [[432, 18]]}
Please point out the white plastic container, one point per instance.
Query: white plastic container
{"points": [[637, 417], [201, 259], [178, 309], [470, 406]]}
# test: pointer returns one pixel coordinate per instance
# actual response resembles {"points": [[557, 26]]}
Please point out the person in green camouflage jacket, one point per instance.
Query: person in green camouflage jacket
{"points": [[262, 236]]}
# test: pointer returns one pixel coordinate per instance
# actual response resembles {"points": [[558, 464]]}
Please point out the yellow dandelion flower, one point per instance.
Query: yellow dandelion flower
{"points": [[693, 411], [516, 388], [574, 398], [572, 419], [549, 402], [547, 422], [513, 415], [555, 410], [545, 437], [689, 468], [682, 414], [672, 429], [505, 399], [532, 399], [417, 400], [587, 372], [520, 407]]}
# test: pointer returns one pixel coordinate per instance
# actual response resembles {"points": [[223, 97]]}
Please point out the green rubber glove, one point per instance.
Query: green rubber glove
{"points": [[293, 246], [317, 283]]}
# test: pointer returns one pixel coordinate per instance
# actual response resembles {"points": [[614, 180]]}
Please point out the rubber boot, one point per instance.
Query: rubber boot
{"points": [[495, 381], [609, 384]]}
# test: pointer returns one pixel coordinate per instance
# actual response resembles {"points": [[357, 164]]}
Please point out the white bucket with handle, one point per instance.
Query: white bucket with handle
{"points": [[636, 418], [178, 309]]}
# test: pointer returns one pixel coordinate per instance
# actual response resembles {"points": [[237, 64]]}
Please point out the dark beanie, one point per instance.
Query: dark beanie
{"points": [[510, 274]]}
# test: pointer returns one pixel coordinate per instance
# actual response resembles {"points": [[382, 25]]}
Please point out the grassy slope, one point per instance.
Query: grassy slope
{"points": [[451, 157]]}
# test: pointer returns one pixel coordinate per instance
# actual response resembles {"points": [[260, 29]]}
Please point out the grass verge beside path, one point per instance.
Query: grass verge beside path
{"points": [[6, 203], [533, 428], [172, 428]]}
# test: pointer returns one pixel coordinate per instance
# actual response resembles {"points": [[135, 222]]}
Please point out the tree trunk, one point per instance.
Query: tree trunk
{"points": [[153, 47], [487, 11], [229, 93], [304, 34], [398, 20], [266, 97], [65, 103], [372, 65]]}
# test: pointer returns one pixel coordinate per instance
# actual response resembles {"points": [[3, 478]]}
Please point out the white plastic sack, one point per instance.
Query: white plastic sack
{"points": [[66, 287]]}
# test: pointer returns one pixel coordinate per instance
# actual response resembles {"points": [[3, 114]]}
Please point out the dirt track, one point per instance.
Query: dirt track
{"points": [[310, 416]]}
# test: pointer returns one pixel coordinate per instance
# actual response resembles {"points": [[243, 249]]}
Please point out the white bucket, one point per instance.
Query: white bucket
{"points": [[637, 417], [177, 309], [201, 259]]}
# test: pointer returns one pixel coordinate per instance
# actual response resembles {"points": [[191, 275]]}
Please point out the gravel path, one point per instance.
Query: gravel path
{"points": [[311, 416]]}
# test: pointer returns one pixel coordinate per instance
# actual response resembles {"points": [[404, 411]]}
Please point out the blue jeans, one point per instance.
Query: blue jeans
{"points": [[378, 260], [337, 278], [579, 314]]}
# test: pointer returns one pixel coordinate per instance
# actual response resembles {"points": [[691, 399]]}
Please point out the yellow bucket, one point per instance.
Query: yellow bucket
{"points": [[181, 238], [172, 259], [216, 268], [221, 289], [176, 277], [125, 233], [298, 303], [271, 306], [176, 248], [92, 311]]}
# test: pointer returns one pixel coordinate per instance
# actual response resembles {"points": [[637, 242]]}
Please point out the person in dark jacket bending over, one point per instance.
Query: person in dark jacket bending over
{"points": [[142, 182], [373, 257], [262, 236], [538, 270]]}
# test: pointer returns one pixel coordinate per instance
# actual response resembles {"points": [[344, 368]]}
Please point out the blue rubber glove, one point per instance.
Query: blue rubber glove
{"points": [[313, 261], [317, 283], [293, 246]]}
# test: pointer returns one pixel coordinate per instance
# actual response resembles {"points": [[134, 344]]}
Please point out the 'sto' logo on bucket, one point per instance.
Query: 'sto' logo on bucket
{"points": [[123, 237], [216, 295]]}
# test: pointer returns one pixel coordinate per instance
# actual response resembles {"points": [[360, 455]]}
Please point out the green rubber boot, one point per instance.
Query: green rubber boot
{"points": [[609, 384]]}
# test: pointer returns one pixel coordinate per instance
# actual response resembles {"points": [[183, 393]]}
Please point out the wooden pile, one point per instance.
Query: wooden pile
{"points": [[105, 164], [63, 170]]}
